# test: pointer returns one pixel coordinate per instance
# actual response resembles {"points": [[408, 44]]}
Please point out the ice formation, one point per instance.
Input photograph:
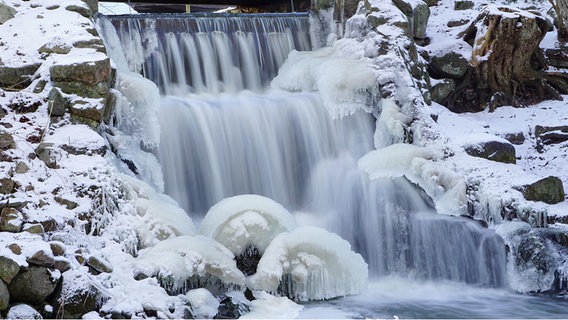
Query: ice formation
{"points": [[310, 263], [185, 261], [241, 221]]}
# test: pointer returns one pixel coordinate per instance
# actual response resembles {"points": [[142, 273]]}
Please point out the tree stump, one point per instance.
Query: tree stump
{"points": [[561, 8], [507, 66]]}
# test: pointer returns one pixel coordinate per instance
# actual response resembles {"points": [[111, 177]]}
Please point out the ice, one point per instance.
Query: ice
{"points": [[266, 306], [310, 263], [175, 261], [241, 221], [203, 303]]}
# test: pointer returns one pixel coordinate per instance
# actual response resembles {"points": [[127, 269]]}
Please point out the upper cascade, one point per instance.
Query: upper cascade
{"points": [[213, 53]]}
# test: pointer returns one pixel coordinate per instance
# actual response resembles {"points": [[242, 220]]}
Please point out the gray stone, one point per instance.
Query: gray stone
{"points": [[22, 167], [57, 104], [7, 141], [87, 110], [70, 205], [8, 269], [551, 135], [58, 48], [48, 154], [4, 296], [457, 23], [23, 311], [493, 150], [449, 65], [17, 77], [431, 3], [57, 248], [33, 285], [418, 12], [93, 5], [549, 190], [77, 296], [62, 264], [516, 138], [6, 13], [35, 228], [7, 186], [441, 90], [463, 4], [98, 90], [99, 264], [41, 258], [88, 72], [82, 10]]}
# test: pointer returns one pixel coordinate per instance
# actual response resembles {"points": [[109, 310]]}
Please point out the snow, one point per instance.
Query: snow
{"points": [[178, 259], [244, 220], [266, 306], [23, 311], [203, 303], [312, 263]]}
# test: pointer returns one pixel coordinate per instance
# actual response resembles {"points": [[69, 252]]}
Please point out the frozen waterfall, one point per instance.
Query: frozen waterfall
{"points": [[225, 133]]}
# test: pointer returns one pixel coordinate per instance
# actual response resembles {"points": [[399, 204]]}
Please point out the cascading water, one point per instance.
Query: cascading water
{"points": [[224, 134]]}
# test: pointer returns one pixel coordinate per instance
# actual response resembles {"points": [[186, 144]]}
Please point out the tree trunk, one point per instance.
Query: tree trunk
{"points": [[507, 64], [561, 8]]}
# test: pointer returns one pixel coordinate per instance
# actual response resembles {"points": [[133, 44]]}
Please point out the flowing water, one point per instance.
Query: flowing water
{"points": [[224, 133]]}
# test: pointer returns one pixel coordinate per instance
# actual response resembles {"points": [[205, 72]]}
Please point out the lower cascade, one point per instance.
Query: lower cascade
{"points": [[273, 176]]}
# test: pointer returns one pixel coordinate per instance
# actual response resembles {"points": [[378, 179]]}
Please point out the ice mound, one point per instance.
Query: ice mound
{"points": [[310, 263], [246, 220], [189, 261]]}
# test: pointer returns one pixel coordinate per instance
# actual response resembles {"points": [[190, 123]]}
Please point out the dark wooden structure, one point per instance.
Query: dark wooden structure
{"points": [[211, 5]]}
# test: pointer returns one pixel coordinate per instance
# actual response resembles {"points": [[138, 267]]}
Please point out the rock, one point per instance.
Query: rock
{"points": [[548, 190], [62, 264], [8, 269], [93, 5], [22, 167], [516, 138], [7, 186], [55, 47], [57, 104], [99, 264], [493, 150], [441, 90], [418, 13], [99, 90], [10, 220], [70, 205], [35, 228], [15, 248], [41, 258], [7, 141], [532, 250], [48, 154], [34, 284], [448, 65], [77, 296], [6, 13], [88, 109], [23, 311], [17, 77], [431, 3], [88, 72], [82, 10], [463, 5], [4, 296], [248, 260], [457, 23], [57, 248], [96, 44], [551, 135]]}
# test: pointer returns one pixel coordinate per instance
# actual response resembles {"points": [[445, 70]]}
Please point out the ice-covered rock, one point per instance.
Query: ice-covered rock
{"points": [[246, 220], [185, 261], [310, 263]]}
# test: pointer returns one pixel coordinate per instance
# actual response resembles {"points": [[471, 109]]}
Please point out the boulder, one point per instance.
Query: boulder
{"points": [[34, 284], [6, 141], [17, 77], [442, 89], [4, 296], [85, 11], [463, 4], [6, 13], [7, 186], [549, 190], [88, 110], [23, 311], [88, 72], [77, 296], [57, 104], [493, 150], [35, 228], [417, 13], [41, 258], [10, 220], [448, 65], [48, 154], [551, 135], [516, 138], [99, 264], [8, 269]]}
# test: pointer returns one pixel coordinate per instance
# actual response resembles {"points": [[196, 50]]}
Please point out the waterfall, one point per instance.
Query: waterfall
{"points": [[225, 133]]}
